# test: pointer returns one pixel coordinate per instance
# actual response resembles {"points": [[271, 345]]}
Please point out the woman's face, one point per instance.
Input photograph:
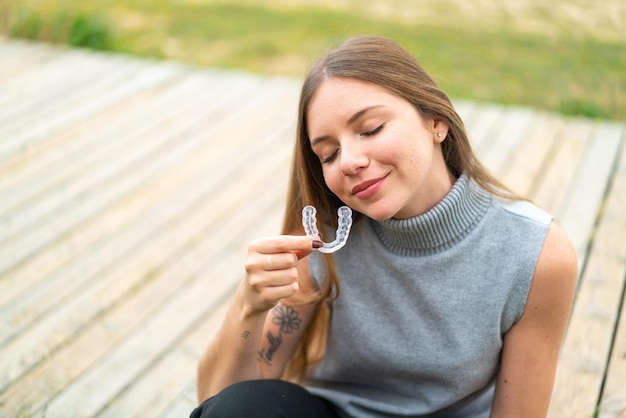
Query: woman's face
{"points": [[378, 155]]}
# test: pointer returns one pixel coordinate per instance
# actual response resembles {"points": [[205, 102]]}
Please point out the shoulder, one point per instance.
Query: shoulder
{"points": [[557, 265], [554, 280], [531, 347], [557, 259], [522, 223], [524, 209]]}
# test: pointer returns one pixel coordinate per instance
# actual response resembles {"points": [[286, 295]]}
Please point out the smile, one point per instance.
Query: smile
{"points": [[368, 188]]}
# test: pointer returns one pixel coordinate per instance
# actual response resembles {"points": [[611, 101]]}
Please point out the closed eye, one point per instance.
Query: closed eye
{"points": [[373, 131], [330, 158]]}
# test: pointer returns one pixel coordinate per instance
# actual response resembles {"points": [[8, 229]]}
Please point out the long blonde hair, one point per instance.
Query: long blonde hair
{"points": [[383, 62]]}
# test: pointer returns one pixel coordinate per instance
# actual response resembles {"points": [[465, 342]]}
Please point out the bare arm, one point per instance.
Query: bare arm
{"points": [[531, 347], [272, 274], [284, 327]]}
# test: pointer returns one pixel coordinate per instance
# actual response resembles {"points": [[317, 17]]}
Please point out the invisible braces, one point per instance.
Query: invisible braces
{"points": [[309, 222]]}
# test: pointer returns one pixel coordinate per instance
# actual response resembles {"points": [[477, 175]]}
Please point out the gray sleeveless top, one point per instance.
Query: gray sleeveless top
{"points": [[425, 302]]}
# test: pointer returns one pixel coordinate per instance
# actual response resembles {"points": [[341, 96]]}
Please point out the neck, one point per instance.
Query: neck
{"points": [[446, 223]]}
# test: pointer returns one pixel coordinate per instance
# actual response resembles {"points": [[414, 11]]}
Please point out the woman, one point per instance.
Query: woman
{"points": [[455, 293]]}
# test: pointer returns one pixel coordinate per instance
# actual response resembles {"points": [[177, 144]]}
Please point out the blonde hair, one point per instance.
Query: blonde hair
{"points": [[383, 62]]}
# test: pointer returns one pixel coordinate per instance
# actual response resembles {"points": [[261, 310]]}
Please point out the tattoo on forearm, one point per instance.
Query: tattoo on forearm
{"points": [[275, 341], [245, 335], [288, 321]]}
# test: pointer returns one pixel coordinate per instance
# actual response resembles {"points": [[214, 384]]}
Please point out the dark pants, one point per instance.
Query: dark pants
{"points": [[264, 399]]}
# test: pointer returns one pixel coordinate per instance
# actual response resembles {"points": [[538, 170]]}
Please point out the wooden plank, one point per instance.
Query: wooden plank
{"points": [[481, 122], [37, 90], [89, 265], [98, 168], [102, 128], [21, 138], [186, 257], [138, 142], [174, 369], [80, 274], [611, 240], [180, 408], [28, 107], [108, 222], [586, 347], [63, 367], [138, 399], [151, 180], [464, 108], [18, 57], [94, 390], [155, 391], [580, 207], [23, 245], [582, 365], [571, 143], [87, 146], [613, 402], [495, 151], [532, 157]]}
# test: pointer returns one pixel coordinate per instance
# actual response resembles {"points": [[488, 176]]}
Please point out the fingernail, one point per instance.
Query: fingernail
{"points": [[317, 244]]}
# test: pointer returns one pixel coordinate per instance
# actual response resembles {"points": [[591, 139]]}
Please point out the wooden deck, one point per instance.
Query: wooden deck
{"points": [[129, 189]]}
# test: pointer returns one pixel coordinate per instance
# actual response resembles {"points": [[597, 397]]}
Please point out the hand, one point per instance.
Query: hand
{"points": [[272, 270]]}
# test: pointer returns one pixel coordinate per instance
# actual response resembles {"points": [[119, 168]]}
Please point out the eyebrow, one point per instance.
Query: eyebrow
{"points": [[349, 122]]}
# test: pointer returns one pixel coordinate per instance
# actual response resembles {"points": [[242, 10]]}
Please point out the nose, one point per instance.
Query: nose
{"points": [[353, 157]]}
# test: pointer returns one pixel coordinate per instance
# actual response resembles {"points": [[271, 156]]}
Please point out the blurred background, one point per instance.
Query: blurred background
{"points": [[567, 56]]}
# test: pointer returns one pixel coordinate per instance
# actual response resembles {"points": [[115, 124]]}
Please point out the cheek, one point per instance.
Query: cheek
{"points": [[413, 147], [332, 178], [393, 153], [409, 159]]}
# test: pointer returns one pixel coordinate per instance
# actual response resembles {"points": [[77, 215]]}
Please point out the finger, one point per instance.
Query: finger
{"points": [[268, 262], [281, 261], [301, 245], [273, 295], [273, 278]]}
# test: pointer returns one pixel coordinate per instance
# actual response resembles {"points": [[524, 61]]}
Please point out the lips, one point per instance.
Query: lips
{"points": [[367, 188]]}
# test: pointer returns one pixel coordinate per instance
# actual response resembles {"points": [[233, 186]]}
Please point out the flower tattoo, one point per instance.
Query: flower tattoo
{"points": [[288, 321], [287, 318]]}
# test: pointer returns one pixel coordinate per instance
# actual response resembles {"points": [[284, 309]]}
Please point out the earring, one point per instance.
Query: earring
{"points": [[439, 134]]}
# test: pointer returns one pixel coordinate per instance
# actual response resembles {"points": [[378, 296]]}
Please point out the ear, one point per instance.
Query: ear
{"points": [[440, 129]]}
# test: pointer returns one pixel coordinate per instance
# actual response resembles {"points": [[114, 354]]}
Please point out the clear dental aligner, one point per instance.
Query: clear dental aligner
{"points": [[309, 222]]}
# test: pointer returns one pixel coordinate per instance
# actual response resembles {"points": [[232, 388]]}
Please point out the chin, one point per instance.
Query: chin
{"points": [[379, 214]]}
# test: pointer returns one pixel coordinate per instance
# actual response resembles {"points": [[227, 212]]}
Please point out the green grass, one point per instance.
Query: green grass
{"points": [[59, 25], [566, 73]]}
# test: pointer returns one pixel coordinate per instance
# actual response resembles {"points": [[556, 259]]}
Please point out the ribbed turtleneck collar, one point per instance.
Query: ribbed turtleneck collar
{"points": [[444, 225]]}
